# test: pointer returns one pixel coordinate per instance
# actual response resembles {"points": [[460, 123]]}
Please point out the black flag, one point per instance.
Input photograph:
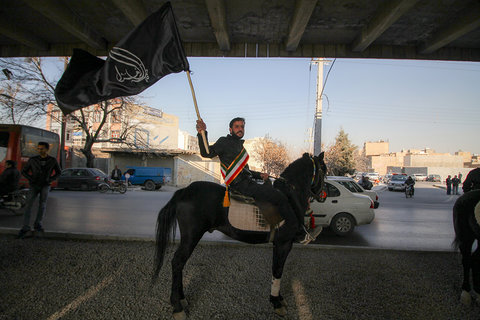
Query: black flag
{"points": [[148, 53]]}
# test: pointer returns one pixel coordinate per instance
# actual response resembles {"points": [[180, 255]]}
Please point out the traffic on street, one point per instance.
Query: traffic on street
{"points": [[423, 222]]}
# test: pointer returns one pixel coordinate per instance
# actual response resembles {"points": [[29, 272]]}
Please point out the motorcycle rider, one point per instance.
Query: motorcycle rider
{"points": [[410, 182], [9, 178]]}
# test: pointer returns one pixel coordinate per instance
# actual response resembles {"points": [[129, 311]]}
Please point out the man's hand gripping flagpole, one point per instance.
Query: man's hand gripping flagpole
{"points": [[204, 137]]}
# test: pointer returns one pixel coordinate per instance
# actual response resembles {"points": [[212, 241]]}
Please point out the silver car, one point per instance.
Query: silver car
{"points": [[397, 182]]}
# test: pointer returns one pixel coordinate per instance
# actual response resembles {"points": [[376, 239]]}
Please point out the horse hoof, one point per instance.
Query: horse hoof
{"points": [[180, 315], [184, 303], [282, 312], [466, 298]]}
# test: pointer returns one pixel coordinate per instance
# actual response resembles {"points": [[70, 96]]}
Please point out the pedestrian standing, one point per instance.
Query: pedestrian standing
{"points": [[448, 181], [455, 183], [116, 174], [40, 171]]}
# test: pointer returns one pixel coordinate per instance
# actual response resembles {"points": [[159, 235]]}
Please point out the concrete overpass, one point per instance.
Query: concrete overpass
{"points": [[393, 29]]}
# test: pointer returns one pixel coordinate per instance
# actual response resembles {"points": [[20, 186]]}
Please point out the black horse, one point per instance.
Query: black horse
{"points": [[466, 217], [198, 208]]}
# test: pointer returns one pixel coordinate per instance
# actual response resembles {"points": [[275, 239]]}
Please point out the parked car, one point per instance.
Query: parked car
{"points": [[386, 178], [397, 182], [150, 177], [419, 177], [354, 187], [373, 177], [343, 209], [81, 179], [434, 178]]}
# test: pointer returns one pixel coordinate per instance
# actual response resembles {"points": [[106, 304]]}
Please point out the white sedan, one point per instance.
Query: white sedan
{"points": [[342, 210]]}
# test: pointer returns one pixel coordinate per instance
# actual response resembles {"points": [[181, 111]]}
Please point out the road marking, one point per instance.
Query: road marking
{"points": [[301, 300], [88, 295]]}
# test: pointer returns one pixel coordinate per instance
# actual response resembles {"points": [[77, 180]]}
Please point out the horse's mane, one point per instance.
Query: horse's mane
{"points": [[296, 170]]}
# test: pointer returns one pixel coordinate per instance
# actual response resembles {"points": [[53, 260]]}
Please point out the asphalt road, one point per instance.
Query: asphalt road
{"points": [[421, 223]]}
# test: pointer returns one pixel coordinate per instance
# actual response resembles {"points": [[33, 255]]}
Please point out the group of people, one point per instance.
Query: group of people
{"points": [[472, 182], [453, 183]]}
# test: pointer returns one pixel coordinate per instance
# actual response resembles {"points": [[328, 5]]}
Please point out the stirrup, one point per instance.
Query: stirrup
{"points": [[311, 237]]}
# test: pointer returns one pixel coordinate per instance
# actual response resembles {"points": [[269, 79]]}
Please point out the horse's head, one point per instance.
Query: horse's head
{"points": [[318, 180]]}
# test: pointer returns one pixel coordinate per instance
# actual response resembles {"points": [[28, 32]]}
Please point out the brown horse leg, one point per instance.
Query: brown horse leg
{"points": [[280, 254]]}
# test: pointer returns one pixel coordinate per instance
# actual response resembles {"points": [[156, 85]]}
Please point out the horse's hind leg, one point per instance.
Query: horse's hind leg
{"points": [[476, 272], [466, 251], [280, 254], [184, 251]]}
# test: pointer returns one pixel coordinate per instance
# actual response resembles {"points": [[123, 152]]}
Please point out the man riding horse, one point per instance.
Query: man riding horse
{"points": [[239, 178]]}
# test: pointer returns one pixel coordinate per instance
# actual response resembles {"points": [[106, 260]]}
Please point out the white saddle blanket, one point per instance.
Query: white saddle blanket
{"points": [[246, 217]]}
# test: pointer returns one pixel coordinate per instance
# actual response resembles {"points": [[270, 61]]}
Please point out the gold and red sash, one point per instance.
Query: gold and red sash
{"points": [[231, 172]]}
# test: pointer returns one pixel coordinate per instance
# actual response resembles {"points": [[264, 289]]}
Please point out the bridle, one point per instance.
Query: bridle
{"points": [[319, 195]]}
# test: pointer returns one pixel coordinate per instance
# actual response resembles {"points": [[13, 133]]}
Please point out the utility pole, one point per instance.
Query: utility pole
{"points": [[317, 135]]}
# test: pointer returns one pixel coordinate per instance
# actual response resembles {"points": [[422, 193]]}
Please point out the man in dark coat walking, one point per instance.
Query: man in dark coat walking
{"points": [[40, 171]]}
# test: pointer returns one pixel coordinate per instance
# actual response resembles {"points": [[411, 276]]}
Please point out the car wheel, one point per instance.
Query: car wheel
{"points": [[149, 185], [390, 189], [342, 224]]}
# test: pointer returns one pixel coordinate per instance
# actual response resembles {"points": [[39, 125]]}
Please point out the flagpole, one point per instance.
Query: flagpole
{"points": [[204, 137]]}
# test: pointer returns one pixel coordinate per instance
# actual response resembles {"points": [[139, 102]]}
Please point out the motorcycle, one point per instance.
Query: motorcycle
{"points": [[408, 191], [14, 201], [113, 185]]}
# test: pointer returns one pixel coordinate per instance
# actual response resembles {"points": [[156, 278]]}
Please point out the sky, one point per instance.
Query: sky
{"points": [[411, 104]]}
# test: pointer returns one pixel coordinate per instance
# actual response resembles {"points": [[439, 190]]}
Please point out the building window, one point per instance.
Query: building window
{"points": [[56, 115], [97, 116], [117, 116], [116, 134]]}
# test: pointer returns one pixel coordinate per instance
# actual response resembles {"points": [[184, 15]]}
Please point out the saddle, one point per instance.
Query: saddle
{"points": [[245, 215]]}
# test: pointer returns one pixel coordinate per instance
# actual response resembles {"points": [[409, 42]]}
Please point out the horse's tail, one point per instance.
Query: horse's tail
{"points": [[166, 227]]}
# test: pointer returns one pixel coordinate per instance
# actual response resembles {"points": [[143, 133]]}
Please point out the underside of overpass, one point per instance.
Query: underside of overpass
{"points": [[393, 29]]}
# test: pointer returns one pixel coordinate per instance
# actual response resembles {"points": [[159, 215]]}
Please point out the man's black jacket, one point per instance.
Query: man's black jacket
{"points": [[39, 171], [9, 179], [227, 149]]}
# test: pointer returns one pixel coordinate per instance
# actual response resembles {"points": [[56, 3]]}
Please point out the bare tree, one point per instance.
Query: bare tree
{"points": [[25, 91], [92, 121], [272, 155]]}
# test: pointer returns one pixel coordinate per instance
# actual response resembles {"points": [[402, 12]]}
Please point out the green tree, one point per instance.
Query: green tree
{"points": [[340, 157]]}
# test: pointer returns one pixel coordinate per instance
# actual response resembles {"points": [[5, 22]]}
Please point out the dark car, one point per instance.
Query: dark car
{"points": [[81, 178], [434, 178]]}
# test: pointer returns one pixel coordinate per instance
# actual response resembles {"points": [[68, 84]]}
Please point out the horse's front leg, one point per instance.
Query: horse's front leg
{"points": [[280, 254]]}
